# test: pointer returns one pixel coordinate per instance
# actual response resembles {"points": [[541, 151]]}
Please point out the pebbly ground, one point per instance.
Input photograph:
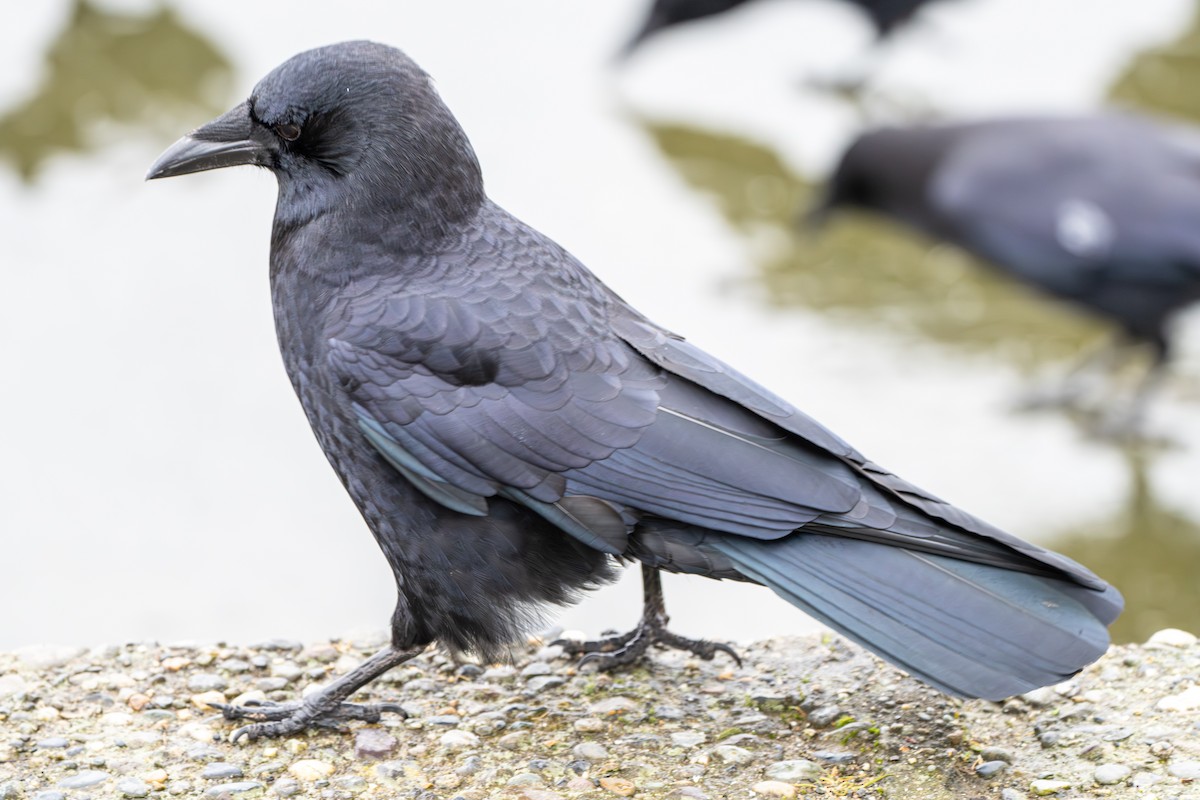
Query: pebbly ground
{"points": [[802, 717]]}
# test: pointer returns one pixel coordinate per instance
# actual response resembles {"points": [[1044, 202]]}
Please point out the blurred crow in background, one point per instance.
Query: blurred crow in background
{"points": [[1101, 211], [511, 430], [885, 15]]}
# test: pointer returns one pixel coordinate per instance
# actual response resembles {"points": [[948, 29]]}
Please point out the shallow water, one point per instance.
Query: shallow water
{"points": [[159, 480]]}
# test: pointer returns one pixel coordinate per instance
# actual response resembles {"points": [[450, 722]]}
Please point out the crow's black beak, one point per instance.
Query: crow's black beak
{"points": [[227, 141]]}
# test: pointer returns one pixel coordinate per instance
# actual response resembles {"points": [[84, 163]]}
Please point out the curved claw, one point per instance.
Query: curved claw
{"points": [[727, 650], [257, 730], [601, 659], [244, 731], [701, 648], [708, 650]]}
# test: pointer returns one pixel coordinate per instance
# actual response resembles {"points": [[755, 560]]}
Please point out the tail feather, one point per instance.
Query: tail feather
{"points": [[969, 629]]}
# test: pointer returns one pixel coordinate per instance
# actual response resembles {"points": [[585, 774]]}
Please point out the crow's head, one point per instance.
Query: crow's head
{"points": [[886, 171], [351, 124]]}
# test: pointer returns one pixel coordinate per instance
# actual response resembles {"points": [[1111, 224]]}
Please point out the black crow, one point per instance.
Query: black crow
{"points": [[1099, 210], [885, 15], [510, 428]]}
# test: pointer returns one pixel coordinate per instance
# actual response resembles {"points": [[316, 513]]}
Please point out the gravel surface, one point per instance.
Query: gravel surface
{"points": [[802, 717]]}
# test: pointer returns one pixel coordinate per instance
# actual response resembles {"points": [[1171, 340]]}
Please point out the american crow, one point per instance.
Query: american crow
{"points": [[510, 428], [1099, 210], [885, 15]]}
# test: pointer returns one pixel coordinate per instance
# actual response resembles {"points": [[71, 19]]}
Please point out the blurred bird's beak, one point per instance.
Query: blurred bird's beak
{"points": [[227, 141]]}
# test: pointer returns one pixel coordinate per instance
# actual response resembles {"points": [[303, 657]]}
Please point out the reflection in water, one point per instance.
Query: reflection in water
{"points": [[1164, 78], [1149, 552], [104, 66], [869, 271]]}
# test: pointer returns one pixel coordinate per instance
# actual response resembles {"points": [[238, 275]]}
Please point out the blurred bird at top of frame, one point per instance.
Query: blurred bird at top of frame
{"points": [[1100, 211], [885, 15], [512, 431]]}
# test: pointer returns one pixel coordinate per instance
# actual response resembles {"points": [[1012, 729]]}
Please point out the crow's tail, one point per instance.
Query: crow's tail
{"points": [[969, 629]]}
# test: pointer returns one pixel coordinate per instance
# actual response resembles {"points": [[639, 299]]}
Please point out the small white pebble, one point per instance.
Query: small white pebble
{"points": [[732, 754], [774, 789], [156, 777], [1040, 697], [11, 684], [1187, 700], [310, 769], [1185, 770], [254, 695], [346, 663], [116, 719], [1108, 774], [197, 731], [1141, 780], [1044, 788], [203, 700], [573, 636], [458, 740], [45, 713], [447, 781], [1171, 637], [687, 738], [615, 705]]}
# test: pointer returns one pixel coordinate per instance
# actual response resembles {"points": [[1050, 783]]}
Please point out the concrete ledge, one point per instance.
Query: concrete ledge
{"points": [[810, 716]]}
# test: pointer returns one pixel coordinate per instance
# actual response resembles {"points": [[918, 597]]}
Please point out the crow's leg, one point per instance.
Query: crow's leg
{"points": [[1082, 382], [1126, 421], [617, 651], [851, 82], [322, 709]]}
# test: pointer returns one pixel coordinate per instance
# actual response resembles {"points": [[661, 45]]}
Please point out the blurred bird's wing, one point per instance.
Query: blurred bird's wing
{"points": [[1074, 204]]}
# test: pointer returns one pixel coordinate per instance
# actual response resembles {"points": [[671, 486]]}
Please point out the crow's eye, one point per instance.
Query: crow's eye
{"points": [[288, 131]]}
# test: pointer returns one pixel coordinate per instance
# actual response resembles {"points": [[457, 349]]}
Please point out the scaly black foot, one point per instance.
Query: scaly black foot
{"points": [[323, 709], [622, 650], [286, 719]]}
